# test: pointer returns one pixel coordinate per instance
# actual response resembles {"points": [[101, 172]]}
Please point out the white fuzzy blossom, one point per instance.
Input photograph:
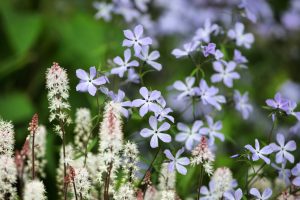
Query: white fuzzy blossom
{"points": [[111, 142], [7, 139], [57, 83], [202, 155], [83, 127], [8, 177], [130, 161], [223, 181], [82, 182], [125, 192], [167, 183], [39, 152], [34, 190]]}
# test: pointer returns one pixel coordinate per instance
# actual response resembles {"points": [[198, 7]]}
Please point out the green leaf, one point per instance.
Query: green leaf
{"points": [[16, 107], [22, 29]]}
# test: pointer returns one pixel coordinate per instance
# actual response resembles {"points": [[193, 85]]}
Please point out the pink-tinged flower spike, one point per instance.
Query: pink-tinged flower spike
{"points": [[135, 39], [148, 103], [177, 162], [267, 193], [212, 130], [150, 58], [208, 95], [203, 34], [190, 136], [156, 132], [283, 149], [186, 88], [225, 72], [233, 195], [125, 64], [238, 35], [241, 103], [258, 153], [296, 173], [89, 82], [188, 48]]}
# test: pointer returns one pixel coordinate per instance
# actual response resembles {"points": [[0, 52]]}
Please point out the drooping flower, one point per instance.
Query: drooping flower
{"points": [[125, 64], [150, 58], [225, 72], [208, 95], [177, 162], [190, 136], [135, 39], [148, 103], [283, 149], [210, 49], [203, 34], [156, 132], [188, 49], [258, 153], [241, 39], [212, 130], [89, 82], [296, 173], [234, 195], [267, 193], [241, 103], [186, 88], [34, 190]]}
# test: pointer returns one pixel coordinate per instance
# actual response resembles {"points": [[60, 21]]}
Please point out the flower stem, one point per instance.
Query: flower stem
{"points": [[33, 166], [74, 187], [64, 154], [200, 178]]}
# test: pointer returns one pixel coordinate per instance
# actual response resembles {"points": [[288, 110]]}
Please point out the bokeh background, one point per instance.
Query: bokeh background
{"points": [[35, 33]]}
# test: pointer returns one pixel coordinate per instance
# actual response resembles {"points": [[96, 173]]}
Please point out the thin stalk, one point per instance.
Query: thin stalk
{"points": [[64, 154], [106, 186], [200, 178], [33, 166], [256, 173], [74, 187], [150, 165]]}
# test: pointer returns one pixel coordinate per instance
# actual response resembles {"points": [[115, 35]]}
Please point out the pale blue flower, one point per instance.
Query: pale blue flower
{"points": [[258, 153], [267, 193], [225, 72], [238, 35], [177, 162], [125, 64], [283, 150]]}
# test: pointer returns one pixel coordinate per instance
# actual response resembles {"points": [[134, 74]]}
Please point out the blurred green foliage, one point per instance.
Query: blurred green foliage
{"points": [[34, 33]]}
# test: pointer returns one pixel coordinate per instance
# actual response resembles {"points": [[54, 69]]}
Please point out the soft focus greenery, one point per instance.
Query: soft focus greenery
{"points": [[35, 33]]}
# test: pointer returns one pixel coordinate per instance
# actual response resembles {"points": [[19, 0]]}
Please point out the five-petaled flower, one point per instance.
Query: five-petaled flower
{"points": [[149, 103], [258, 153], [88, 82], [278, 102], [177, 162], [156, 132], [225, 73], [203, 34], [241, 103], [210, 49], [190, 136], [150, 58], [186, 88], [233, 195], [125, 64], [212, 130], [283, 149], [188, 49], [135, 39], [267, 193], [208, 95], [238, 34]]}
